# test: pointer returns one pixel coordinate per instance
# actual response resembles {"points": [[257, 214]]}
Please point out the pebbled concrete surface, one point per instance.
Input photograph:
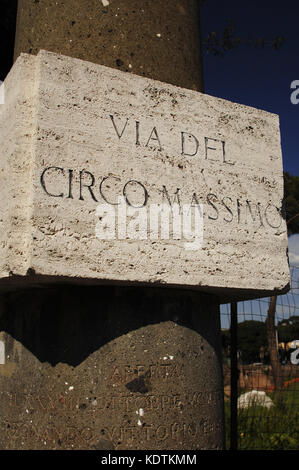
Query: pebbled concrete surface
{"points": [[110, 368], [155, 39]]}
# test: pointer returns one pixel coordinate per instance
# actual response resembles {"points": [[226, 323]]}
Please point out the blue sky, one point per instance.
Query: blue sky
{"points": [[287, 305], [258, 77]]}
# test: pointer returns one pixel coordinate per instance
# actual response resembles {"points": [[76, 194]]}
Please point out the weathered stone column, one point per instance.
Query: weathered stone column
{"points": [[114, 343], [108, 340], [112, 367], [155, 39]]}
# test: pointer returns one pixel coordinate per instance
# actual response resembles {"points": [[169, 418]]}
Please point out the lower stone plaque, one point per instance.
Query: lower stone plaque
{"points": [[77, 376]]}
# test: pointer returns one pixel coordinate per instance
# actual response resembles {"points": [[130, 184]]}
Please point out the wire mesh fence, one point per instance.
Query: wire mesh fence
{"points": [[268, 392]]}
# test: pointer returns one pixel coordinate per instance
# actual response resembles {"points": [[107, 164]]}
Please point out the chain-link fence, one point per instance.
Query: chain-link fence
{"points": [[267, 407]]}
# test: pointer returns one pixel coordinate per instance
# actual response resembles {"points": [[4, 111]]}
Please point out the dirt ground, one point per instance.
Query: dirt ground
{"points": [[259, 377]]}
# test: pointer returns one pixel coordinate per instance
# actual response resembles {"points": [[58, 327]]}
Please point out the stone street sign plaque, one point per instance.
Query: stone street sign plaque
{"points": [[88, 153]]}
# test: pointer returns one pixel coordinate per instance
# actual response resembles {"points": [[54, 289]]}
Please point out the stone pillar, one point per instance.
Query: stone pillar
{"points": [[159, 40], [112, 367]]}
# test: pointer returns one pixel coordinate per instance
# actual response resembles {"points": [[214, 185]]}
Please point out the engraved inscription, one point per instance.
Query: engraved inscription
{"points": [[116, 402], [176, 432], [154, 371], [148, 427], [89, 185], [59, 183]]}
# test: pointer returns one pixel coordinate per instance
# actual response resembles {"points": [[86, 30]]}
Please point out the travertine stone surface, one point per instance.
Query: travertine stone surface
{"points": [[75, 135]]}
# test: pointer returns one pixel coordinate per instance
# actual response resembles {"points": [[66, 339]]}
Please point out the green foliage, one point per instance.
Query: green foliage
{"points": [[219, 44], [291, 201], [262, 429], [276, 428], [288, 330], [251, 336]]}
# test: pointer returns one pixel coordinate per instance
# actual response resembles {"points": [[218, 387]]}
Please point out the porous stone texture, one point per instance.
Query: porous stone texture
{"points": [[155, 39], [76, 135], [104, 368]]}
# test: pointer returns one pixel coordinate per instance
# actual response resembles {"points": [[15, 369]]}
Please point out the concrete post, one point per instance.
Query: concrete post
{"points": [[113, 367]]}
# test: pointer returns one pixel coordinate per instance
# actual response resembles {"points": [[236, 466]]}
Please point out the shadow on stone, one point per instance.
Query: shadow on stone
{"points": [[67, 324], [139, 385]]}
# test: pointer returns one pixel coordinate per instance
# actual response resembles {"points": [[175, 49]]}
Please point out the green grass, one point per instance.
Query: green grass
{"points": [[276, 428]]}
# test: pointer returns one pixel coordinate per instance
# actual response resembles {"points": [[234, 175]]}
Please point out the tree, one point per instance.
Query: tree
{"points": [[220, 43], [273, 352], [251, 337], [288, 330], [291, 209]]}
